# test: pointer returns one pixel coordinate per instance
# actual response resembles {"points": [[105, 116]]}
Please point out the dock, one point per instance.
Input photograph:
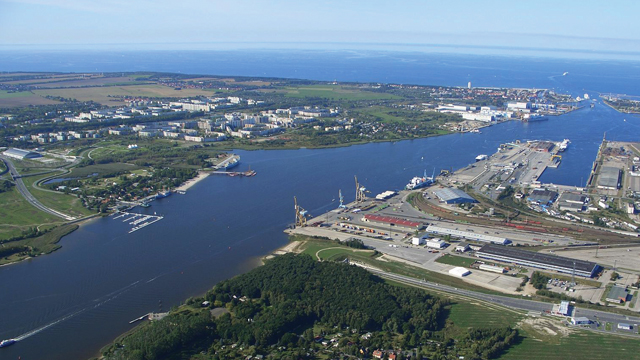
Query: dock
{"points": [[248, 173], [138, 221]]}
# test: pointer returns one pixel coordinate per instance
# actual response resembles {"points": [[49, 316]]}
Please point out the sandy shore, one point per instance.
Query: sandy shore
{"points": [[189, 183]]}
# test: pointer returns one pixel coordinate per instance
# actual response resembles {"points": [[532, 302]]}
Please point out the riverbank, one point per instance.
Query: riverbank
{"points": [[191, 182], [40, 245]]}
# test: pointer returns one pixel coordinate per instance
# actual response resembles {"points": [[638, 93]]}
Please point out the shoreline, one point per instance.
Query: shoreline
{"points": [[191, 182]]}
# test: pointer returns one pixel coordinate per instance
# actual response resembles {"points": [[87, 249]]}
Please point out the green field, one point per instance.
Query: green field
{"points": [[455, 260], [67, 204], [312, 246], [17, 215], [105, 94], [8, 95], [335, 92], [104, 170], [580, 345]]}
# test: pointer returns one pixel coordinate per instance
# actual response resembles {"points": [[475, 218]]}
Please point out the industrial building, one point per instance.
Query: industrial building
{"points": [[617, 295], [433, 229], [454, 196], [459, 272], [609, 178], [491, 268], [538, 260], [389, 220], [581, 320], [623, 326], [543, 196], [21, 154], [462, 247], [572, 201], [564, 308], [436, 244]]}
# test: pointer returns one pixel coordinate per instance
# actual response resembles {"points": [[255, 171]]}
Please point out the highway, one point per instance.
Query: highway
{"points": [[515, 303], [27, 195]]}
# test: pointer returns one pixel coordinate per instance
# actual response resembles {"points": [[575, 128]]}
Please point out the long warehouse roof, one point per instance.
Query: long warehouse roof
{"points": [[532, 256], [392, 220]]}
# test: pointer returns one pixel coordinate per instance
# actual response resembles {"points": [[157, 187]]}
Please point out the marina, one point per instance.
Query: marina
{"points": [[138, 221]]}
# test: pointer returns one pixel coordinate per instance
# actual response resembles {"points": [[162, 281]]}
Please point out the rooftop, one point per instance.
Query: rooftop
{"points": [[448, 194], [532, 256], [617, 292], [609, 177], [392, 220]]}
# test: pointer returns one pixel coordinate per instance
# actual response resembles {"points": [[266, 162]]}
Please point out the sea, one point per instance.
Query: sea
{"points": [[69, 304]]}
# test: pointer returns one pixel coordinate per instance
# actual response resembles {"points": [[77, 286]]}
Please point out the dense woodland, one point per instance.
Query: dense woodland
{"points": [[296, 308]]}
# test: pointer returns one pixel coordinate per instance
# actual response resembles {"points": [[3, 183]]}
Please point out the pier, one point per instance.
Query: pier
{"points": [[235, 173], [138, 221]]}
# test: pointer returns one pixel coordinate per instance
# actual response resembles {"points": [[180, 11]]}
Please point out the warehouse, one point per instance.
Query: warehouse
{"points": [[467, 235], [454, 196], [436, 244], [389, 220], [495, 269], [459, 272], [543, 196], [581, 320], [617, 295], [21, 154], [538, 260], [609, 178]]}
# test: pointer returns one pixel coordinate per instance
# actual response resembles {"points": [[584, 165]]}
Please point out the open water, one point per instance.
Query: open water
{"points": [[69, 304]]}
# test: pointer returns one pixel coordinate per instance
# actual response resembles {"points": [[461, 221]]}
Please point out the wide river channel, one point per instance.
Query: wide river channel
{"points": [[69, 304]]}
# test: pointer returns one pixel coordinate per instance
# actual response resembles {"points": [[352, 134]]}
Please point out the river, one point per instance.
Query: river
{"points": [[69, 304]]}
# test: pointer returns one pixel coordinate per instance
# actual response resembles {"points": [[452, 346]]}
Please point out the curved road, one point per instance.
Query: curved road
{"points": [[27, 195]]}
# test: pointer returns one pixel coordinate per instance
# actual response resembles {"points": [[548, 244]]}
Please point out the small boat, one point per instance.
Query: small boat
{"points": [[5, 343]]}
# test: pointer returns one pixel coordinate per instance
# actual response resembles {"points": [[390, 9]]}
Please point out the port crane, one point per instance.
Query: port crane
{"points": [[342, 205], [301, 214], [361, 195]]}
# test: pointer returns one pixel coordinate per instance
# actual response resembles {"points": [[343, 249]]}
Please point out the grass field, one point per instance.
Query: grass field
{"points": [[580, 345], [468, 314], [104, 94], [22, 98], [312, 246], [101, 169], [455, 260], [335, 92], [17, 215], [67, 204]]}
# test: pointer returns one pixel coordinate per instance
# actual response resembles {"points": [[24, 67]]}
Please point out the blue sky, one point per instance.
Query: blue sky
{"points": [[587, 25]]}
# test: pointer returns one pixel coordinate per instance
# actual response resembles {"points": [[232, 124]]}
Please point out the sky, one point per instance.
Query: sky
{"points": [[598, 26]]}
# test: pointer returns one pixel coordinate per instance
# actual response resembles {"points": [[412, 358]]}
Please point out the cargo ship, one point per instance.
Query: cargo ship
{"points": [[163, 194], [481, 157], [420, 182], [563, 145], [5, 343]]}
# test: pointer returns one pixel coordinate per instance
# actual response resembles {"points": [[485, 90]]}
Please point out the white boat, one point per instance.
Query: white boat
{"points": [[5, 343], [481, 157], [563, 145]]}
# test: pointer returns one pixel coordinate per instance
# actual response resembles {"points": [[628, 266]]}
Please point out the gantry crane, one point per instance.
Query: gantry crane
{"points": [[342, 205], [361, 196], [301, 218]]}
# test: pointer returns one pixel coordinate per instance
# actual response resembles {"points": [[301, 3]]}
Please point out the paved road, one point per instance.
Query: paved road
{"points": [[27, 195], [519, 304]]}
